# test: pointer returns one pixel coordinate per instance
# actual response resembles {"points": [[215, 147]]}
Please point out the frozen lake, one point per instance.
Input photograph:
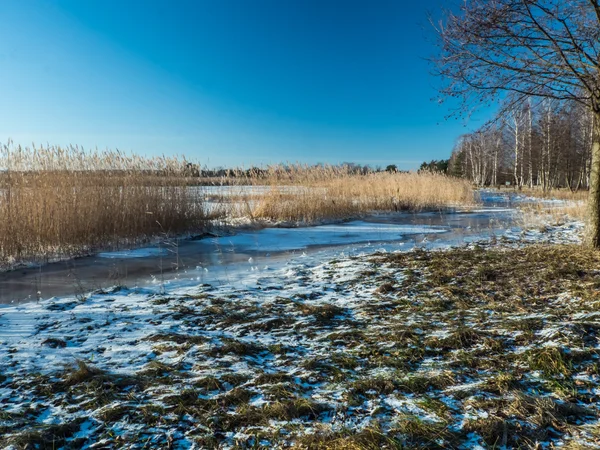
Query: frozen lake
{"points": [[227, 259]]}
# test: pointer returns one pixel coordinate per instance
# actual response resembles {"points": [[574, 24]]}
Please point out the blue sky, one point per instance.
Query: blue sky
{"points": [[226, 82]]}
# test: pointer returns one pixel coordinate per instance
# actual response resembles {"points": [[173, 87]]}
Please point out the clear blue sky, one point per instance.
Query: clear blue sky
{"points": [[226, 82]]}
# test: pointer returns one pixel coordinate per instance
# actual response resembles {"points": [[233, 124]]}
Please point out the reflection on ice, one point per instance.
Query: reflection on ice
{"points": [[135, 253], [285, 239]]}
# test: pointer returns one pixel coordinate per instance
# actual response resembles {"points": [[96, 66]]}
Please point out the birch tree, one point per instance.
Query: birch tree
{"points": [[532, 48]]}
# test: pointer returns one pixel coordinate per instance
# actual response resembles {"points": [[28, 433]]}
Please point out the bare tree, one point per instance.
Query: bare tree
{"points": [[533, 48], [529, 143], [516, 127], [555, 151]]}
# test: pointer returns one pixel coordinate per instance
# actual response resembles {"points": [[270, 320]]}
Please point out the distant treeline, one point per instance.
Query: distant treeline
{"points": [[195, 170], [439, 166]]}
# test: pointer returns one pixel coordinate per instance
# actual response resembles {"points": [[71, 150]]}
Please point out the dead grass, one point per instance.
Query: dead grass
{"points": [[45, 437], [513, 276], [419, 433], [513, 360], [236, 347], [82, 373], [559, 194], [461, 338], [61, 202], [369, 438], [539, 215], [332, 195], [323, 314], [550, 360]]}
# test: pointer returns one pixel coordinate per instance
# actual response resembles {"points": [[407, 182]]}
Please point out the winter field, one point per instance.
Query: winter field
{"points": [[368, 334]]}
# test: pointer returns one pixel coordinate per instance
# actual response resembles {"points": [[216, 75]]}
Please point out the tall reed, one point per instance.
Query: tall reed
{"points": [[312, 194], [63, 201]]}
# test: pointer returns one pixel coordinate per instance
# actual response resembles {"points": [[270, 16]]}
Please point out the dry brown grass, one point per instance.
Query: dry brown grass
{"points": [[329, 194], [559, 194], [59, 202], [538, 215]]}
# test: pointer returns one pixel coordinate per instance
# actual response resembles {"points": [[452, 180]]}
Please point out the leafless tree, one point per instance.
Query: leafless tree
{"points": [[557, 137], [531, 48]]}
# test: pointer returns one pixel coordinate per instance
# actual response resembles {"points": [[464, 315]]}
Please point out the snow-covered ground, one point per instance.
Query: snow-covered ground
{"points": [[511, 198], [328, 339]]}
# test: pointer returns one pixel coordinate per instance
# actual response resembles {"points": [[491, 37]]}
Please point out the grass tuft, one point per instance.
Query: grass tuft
{"points": [[550, 360]]}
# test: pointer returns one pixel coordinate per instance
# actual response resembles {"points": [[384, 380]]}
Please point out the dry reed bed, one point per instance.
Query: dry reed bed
{"points": [[574, 207], [344, 196], [61, 202], [539, 215], [552, 207], [570, 206]]}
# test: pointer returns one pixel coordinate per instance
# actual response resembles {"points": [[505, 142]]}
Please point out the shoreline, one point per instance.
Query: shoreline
{"points": [[217, 228], [314, 350]]}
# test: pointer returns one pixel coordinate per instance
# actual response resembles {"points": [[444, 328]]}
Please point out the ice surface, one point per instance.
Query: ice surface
{"points": [[135, 253], [281, 239]]}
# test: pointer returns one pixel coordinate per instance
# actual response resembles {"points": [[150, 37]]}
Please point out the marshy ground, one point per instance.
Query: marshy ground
{"points": [[490, 345]]}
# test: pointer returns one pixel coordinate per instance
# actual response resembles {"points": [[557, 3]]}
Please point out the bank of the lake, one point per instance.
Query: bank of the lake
{"points": [[489, 344]]}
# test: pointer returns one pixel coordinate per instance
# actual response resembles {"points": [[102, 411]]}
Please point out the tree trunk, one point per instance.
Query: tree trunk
{"points": [[515, 174], [530, 146], [592, 234]]}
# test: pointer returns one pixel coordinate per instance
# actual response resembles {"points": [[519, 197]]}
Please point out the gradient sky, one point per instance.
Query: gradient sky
{"points": [[226, 82]]}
